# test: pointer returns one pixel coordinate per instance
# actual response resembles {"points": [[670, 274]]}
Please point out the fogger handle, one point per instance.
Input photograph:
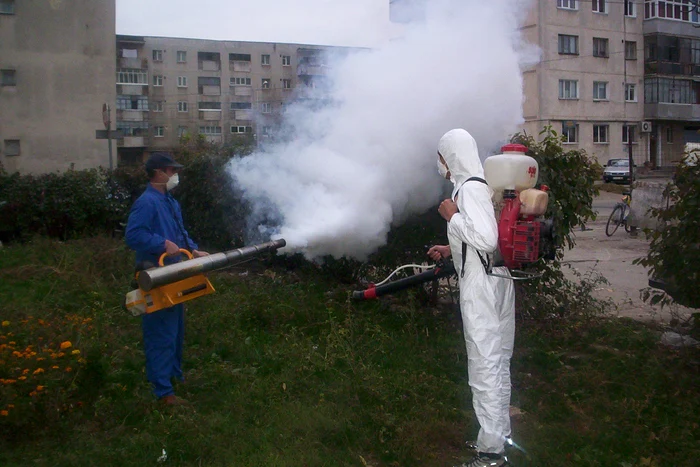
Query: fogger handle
{"points": [[156, 277]]}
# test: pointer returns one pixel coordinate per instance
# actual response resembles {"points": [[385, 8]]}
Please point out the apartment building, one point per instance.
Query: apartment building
{"points": [[56, 72], [224, 90], [589, 83], [671, 77]]}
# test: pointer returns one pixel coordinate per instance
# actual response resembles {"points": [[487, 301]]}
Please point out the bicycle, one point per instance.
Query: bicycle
{"points": [[618, 216]]}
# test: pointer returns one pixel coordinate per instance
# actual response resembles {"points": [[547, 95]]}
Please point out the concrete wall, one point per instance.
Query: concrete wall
{"points": [[64, 56]]}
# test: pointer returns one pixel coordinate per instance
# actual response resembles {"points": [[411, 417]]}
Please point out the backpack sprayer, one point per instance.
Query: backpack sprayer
{"points": [[165, 286], [523, 236]]}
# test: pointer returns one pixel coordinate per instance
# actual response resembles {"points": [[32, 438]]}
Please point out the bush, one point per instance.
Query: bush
{"points": [[674, 252]]}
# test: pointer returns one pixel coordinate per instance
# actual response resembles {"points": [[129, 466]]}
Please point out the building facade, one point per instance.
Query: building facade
{"points": [[56, 72], [589, 83], [224, 90], [672, 77]]}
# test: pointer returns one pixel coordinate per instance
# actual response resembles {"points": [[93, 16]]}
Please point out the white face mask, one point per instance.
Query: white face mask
{"points": [[442, 169], [172, 182]]}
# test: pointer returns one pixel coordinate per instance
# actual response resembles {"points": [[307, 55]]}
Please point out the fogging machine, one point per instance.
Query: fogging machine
{"points": [[168, 285]]}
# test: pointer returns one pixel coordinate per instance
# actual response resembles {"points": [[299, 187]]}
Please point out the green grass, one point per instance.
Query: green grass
{"points": [[283, 370]]}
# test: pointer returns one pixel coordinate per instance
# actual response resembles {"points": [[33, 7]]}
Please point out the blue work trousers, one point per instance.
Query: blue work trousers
{"points": [[163, 336]]}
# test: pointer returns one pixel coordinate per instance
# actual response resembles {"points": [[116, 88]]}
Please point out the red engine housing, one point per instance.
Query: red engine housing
{"points": [[518, 236]]}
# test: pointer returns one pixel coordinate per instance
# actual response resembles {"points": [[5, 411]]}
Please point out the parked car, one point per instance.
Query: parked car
{"points": [[617, 171]]}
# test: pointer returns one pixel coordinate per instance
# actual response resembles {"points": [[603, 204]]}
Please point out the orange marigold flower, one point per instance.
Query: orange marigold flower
{"points": [[75, 352], [66, 345], [25, 371], [38, 370], [5, 323], [40, 388], [4, 413], [22, 378], [40, 359], [32, 394], [55, 367], [68, 369], [10, 406], [60, 354], [13, 343]]}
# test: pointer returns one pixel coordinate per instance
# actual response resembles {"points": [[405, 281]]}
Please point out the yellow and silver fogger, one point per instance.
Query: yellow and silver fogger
{"points": [[165, 286]]}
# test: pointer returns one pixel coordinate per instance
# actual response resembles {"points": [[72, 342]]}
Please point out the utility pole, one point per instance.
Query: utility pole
{"points": [[107, 133]]}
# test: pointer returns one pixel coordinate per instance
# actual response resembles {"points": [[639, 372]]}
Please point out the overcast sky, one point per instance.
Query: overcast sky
{"points": [[328, 22]]}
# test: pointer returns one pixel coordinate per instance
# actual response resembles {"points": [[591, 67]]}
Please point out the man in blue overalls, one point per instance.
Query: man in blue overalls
{"points": [[155, 227]]}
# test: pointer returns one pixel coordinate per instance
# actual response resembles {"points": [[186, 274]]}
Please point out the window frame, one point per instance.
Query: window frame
{"points": [[596, 133], [564, 132], [184, 56], [8, 77], [596, 7], [628, 130], [286, 60], [158, 131], [157, 55], [596, 47], [562, 89], [183, 106], [8, 143], [629, 56], [11, 10], [561, 4], [286, 83], [605, 87], [633, 87], [182, 81], [266, 107], [158, 81], [567, 37], [265, 59], [630, 6]]}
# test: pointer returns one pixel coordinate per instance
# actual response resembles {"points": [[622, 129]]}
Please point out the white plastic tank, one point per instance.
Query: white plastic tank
{"points": [[511, 170]]}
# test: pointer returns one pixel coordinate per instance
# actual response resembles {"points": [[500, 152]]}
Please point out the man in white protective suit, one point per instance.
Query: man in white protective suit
{"points": [[487, 303]]}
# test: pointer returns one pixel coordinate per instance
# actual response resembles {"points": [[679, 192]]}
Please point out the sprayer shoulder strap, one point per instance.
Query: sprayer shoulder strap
{"points": [[485, 262]]}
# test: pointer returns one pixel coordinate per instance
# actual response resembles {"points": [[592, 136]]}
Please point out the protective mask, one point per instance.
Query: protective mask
{"points": [[172, 182], [442, 169]]}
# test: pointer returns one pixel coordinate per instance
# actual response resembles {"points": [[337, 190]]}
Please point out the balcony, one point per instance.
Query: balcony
{"points": [[210, 115], [240, 66], [312, 70], [131, 115], [666, 111], [133, 63], [209, 65], [671, 68], [132, 142]]}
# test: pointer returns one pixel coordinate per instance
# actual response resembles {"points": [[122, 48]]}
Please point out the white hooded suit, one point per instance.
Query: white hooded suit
{"points": [[487, 303]]}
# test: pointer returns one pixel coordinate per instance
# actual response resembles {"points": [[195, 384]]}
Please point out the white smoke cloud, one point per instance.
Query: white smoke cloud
{"points": [[368, 160]]}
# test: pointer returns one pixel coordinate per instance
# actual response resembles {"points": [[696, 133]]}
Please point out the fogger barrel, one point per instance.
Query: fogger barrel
{"points": [[156, 277], [437, 272]]}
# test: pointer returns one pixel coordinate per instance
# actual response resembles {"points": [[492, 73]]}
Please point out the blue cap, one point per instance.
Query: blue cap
{"points": [[161, 160]]}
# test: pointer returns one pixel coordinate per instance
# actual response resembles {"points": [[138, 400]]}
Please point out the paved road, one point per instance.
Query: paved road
{"points": [[612, 257]]}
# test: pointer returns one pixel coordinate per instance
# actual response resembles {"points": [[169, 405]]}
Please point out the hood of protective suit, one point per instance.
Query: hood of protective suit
{"points": [[459, 150]]}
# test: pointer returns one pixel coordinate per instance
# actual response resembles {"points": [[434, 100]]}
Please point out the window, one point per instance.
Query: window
{"points": [[569, 131], [182, 81], [671, 91], [286, 60], [12, 147], [8, 78], [600, 90], [240, 82], [158, 80], [672, 9], [599, 6], [630, 50], [566, 4], [132, 76], [182, 106], [209, 85], [7, 7], [287, 84], [210, 106], [265, 59], [210, 130], [669, 135], [266, 131], [568, 45], [132, 102], [241, 129], [181, 131], [238, 57], [568, 89], [158, 131], [628, 134], [241, 105], [631, 92], [157, 106], [266, 107], [600, 47], [630, 8], [157, 55], [266, 83], [128, 128], [600, 134], [181, 56]]}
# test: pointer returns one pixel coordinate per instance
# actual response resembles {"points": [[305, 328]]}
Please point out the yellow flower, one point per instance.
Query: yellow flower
{"points": [[75, 352], [5, 323], [66, 345]]}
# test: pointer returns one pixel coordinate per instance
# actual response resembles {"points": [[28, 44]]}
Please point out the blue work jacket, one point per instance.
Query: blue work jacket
{"points": [[154, 218]]}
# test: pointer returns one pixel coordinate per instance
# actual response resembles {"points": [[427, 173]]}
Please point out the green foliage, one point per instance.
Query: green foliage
{"points": [[213, 210], [674, 252], [66, 205]]}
